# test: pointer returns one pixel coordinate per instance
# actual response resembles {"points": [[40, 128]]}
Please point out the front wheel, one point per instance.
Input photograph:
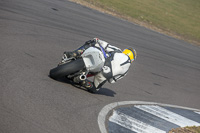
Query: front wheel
{"points": [[66, 69]]}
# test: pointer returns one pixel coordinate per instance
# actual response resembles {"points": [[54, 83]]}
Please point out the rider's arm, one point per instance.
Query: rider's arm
{"points": [[107, 47], [116, 78]]}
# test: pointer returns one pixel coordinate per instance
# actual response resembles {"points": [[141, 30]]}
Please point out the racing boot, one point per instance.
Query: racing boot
{"points": [[89, 86]]}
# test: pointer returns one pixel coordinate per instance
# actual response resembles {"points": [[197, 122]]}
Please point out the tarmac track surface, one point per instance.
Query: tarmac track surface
{"points": [[33, 36]]}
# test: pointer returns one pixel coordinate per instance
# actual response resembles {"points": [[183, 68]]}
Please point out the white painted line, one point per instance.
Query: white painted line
{"points": [[132, 123], [167, 115], [106, 109], [197, 112]]}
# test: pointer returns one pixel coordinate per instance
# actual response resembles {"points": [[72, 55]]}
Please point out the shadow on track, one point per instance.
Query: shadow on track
{"points": [[102, 91]]}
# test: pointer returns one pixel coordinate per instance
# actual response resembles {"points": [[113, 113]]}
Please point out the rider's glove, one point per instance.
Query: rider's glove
{"points": [[88, 42], [91, 42], [64, 57]]}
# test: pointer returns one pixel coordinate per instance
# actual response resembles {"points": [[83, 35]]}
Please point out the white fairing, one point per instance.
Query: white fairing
{"points": [[94, 59]]}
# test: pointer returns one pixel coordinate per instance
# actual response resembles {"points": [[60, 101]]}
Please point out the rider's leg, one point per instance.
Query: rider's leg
{"points": [[99, 81], [90, 86]]}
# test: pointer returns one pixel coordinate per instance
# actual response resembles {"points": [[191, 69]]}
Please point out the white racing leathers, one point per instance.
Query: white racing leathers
{"points": [[116, 65]]}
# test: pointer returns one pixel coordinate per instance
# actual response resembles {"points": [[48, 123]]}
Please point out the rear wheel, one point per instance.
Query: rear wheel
{"points": [[66, 69]]}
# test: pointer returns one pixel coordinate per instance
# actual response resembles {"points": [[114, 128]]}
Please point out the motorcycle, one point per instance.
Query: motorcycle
{"points": [[78, 69]]}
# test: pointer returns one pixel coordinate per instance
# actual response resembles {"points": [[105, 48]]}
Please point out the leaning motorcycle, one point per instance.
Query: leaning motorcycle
{"points": [[77, 69]]}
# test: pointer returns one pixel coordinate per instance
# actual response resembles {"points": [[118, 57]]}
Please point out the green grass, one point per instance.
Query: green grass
{"points": [[181, 17], [194, 129]]}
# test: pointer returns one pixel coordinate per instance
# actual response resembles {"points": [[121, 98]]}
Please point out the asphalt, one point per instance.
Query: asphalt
{"points": [[35, 33]]}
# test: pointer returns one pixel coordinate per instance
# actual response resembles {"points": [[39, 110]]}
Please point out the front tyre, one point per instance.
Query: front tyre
{"points": [[66, 69]]}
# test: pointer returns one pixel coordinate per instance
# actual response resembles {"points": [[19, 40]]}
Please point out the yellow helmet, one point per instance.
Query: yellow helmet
{"points": [[131, 53]]}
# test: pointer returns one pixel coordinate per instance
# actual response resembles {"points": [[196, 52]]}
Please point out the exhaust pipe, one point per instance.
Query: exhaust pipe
{"points": [[80, 78], [83, 77]]}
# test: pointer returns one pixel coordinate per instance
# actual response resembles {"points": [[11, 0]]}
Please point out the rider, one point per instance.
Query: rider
{"points": [[116, 65]]}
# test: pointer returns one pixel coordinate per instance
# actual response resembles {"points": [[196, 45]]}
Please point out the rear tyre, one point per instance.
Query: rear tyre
{"points": [[66, 69]]}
